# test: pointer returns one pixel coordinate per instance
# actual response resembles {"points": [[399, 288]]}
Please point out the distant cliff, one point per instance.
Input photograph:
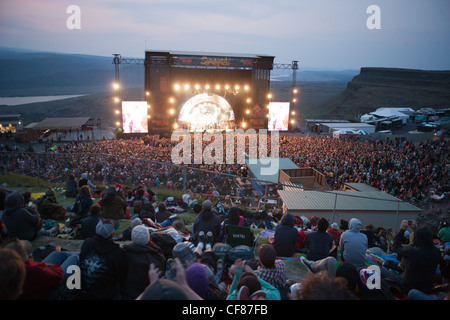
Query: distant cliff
{"points": [[388, 87]]}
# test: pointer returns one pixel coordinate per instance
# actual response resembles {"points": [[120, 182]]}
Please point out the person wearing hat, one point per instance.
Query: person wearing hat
{"points": [[140, 254], [333, 230], [207, 221], [85, 181], [103, 265]]}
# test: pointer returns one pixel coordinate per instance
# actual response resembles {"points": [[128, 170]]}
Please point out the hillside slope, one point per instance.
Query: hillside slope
{"points": [[388, 87]]}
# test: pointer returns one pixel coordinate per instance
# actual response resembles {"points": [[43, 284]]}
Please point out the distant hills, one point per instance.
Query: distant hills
{"points": [[29, 73], [333, 94], [375, 88]]}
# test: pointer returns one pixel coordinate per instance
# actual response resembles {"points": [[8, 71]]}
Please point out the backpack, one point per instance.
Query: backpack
{"points": [[165, 242], [241, 252]]}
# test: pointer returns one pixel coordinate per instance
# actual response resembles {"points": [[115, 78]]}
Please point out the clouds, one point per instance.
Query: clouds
{"points": [[324, 33]]}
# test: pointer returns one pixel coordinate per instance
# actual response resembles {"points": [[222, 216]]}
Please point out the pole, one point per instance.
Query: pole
{"points": [[334, 209], [184, 179], [396, 216]]}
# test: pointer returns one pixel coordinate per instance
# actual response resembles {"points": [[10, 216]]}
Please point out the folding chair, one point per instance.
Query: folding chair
{"points": [[237, 235]]}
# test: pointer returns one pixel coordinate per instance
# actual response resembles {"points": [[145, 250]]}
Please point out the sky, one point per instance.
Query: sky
{"points": [[325, 34]]}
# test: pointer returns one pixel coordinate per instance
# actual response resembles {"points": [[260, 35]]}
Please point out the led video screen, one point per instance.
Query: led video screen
{"points": [[134, 117], [278, 116]]}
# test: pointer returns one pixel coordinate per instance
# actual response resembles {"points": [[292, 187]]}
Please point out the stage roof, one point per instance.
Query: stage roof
{"points": [[212, 54], [59, 123]]}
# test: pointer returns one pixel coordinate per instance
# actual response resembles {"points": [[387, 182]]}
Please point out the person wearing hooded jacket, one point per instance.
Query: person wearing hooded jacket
{"points": [[353, 244], [286, 236], [23, 222]]}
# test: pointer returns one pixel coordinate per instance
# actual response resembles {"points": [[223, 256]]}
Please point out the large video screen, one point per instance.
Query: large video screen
{"points": [[278, 116], [134, 117]]}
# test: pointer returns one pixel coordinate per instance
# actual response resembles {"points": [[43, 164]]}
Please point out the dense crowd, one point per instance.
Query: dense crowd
{"points": [[197, 263], [411, 172]]}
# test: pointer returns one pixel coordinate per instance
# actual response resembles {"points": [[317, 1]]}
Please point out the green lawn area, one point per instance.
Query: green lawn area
{"points": [[296, 270]]}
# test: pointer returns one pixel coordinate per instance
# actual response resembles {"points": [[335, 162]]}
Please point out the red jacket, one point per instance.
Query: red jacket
{"points": [[334, 233], [40, 279]]}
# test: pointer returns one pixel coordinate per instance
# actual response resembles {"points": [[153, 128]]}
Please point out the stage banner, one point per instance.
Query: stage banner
{"points": [[206, 61]]}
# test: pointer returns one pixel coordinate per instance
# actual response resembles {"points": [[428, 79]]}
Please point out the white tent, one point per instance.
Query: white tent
{"points": [[393, 112], [367, 117]]}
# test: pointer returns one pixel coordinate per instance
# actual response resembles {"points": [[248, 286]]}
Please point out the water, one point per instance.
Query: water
{"points": [[14, 101]]}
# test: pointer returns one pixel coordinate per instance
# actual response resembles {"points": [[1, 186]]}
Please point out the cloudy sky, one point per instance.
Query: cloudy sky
{"points": [[318, 33]]}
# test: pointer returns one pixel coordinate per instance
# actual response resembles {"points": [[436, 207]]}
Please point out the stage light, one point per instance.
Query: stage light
{"points": [[117, 123], [247, 111], [148, 117], [227, 87], [207, 86], [176, 86], [267, 115], [197, 86], [295, 90], [217, 87], [186, 86], [292, 121], [117, 111], [249, 100], [244, 124], [269, 96], [172, 100], [116, 86], [293, 112], [148, 106], [172, 111], [294, 100], [236, 87], [116, 99], [246, 88], [175, 125], [147, 93]]}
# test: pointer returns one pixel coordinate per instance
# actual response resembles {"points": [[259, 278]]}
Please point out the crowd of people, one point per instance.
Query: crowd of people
{"points": [[197, 265], [200, 265], [411, 172]]}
